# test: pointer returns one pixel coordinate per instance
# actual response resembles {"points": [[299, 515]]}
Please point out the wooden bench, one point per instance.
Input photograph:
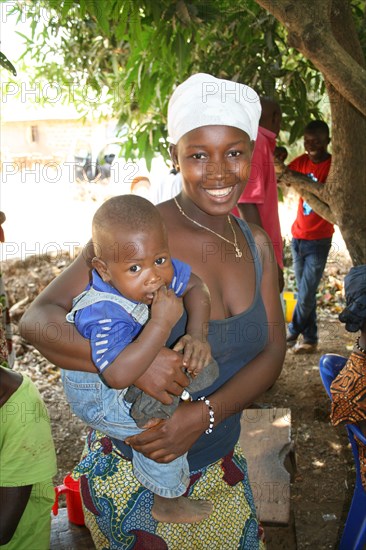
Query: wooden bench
{"points": [[266, 441]]}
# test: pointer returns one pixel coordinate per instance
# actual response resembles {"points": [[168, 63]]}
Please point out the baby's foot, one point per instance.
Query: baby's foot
{"points": [[180, 509]]}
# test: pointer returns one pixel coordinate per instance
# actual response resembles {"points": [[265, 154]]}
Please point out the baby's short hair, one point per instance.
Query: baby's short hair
{"points": [[132, 211]]}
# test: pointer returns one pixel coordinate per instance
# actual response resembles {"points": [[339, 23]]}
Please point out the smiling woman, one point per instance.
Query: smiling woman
{"points": [[212, 126], [221, 166]]}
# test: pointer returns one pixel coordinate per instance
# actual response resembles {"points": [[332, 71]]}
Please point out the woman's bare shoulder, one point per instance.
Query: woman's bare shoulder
{"points": [[166, 207], [259, 234], [262, 240], [170, 214]]}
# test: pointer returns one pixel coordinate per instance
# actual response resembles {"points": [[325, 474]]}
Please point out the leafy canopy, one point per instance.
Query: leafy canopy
{"points": [[126, 56]]}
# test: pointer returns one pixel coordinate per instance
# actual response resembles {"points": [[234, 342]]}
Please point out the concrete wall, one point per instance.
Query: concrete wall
{"points": [[48, 138]]}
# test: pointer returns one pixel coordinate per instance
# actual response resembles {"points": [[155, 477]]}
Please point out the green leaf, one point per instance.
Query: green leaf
{"points": [[67, 5], [26, 38], [181, 51], [122, 23], [101, 12], [82, 8], [33, 27], [6, 64], [54, 4], [296, 130], [135, 29], [280, 194], [269, 39]]}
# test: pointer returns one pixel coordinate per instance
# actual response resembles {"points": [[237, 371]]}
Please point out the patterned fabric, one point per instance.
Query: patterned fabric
{"points": [[348, 391], [362, 458], [118, 509]]}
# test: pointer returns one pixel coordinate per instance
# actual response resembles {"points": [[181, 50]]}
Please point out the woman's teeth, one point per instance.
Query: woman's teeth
{"points": [[222, 192]]}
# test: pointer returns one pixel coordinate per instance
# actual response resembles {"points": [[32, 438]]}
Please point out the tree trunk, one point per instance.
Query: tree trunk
{"points": [[310, 30], [348, 175], [313, 28]]}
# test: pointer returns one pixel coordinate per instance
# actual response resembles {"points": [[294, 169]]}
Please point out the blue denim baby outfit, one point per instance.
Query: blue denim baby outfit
{"points": [[111, 322]]}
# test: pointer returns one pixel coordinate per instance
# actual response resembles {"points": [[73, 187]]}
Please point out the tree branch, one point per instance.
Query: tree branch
{"points": [[310, 32], [294, 179], [314, 193]]}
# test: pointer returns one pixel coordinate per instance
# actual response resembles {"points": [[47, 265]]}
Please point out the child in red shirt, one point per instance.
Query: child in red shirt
{"points": [[312, 238]]}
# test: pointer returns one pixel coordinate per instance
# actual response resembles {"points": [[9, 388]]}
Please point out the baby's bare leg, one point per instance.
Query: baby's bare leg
{"points": [[180, 509]]}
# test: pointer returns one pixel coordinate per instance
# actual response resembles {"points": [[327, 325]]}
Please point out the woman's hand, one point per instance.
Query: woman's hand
{"points": [[172, 438], [164, 376]]}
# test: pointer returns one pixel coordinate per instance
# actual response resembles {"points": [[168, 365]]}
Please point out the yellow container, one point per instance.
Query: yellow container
{"points": [[290, 301]]}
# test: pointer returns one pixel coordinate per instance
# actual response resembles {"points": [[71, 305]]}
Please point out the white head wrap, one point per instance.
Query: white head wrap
{"points": [[203, 100]]}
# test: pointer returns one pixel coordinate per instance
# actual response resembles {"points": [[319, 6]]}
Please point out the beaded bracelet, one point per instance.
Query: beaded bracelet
{"points": [[211, 412], [357, 346]]}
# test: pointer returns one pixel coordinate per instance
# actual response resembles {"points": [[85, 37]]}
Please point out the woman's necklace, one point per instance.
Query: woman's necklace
{"points": [[238, 252]]}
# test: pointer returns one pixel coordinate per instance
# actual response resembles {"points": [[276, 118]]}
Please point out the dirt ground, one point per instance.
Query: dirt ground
{"points": [[323, 483]]}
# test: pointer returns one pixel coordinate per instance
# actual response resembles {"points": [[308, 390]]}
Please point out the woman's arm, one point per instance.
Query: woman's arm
{"points": [[44, 324], [174, 437]]}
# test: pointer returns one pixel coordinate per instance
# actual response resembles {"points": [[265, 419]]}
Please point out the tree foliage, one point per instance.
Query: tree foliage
{"points": [[309, 55], [129, 55]]}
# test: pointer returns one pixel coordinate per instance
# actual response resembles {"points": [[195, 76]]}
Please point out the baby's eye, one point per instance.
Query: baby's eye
{"points": [[135, 268], [199, 156], [160, 261], [234, 153]]}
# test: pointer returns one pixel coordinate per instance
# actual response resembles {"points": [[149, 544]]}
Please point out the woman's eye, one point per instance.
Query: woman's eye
{"points": [[234, 153], [199, 156], [160, 261], [135, 268]]}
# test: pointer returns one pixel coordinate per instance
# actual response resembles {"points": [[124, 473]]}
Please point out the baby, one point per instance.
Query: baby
{"points": [[127, 313]]}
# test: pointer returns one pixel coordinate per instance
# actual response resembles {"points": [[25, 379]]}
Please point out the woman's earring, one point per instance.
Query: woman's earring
{"points": [[177, 167]]}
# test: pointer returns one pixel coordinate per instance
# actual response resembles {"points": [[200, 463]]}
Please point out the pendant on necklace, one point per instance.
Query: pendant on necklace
{"points": [[238, 252]]}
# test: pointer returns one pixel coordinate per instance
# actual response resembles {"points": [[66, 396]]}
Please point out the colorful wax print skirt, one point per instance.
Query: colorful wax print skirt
{"points": [[118, 509]]}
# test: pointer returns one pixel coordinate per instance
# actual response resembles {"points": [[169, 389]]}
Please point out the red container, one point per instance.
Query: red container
{"points": [[73, 500]]}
